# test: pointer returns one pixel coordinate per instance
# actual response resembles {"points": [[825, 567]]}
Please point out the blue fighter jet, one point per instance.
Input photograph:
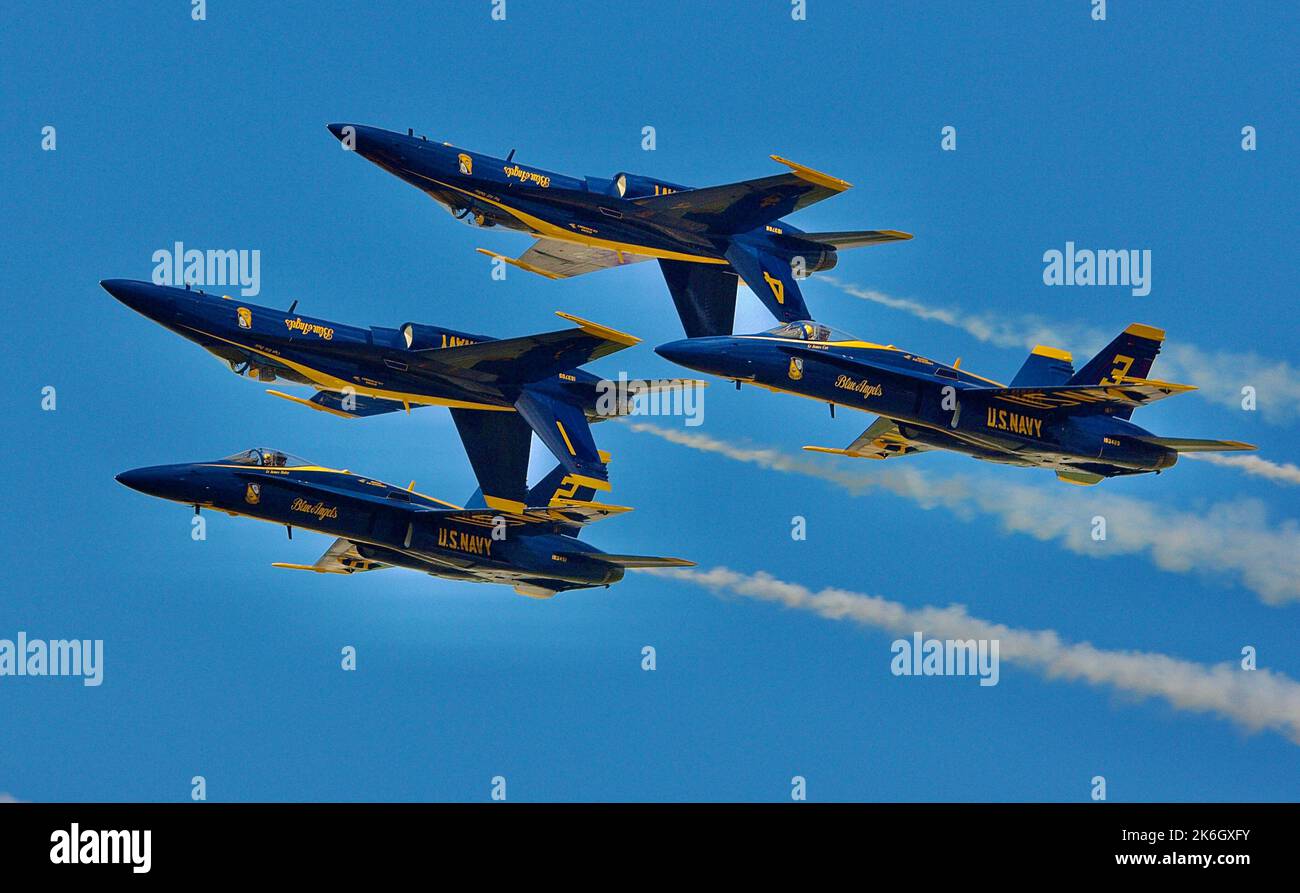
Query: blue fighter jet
{"points": [[378, 525], [703, 238], [500, 392], [1074, 423]]}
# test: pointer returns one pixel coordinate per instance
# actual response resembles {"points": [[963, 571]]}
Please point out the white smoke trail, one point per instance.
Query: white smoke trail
{"points": [[1237, 537], [1258, 699], [1219, 375], [1280, 472]]}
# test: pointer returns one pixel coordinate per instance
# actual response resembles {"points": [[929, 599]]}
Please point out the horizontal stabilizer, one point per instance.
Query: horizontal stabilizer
{"points": [[738, 207], [571, 513], [855, 238], [349, 406], [1125, 394], [532, 357], [1193, 445], [638, 560]]}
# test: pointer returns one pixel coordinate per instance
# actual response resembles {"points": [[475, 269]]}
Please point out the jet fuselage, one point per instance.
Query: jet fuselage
{"points": [[268, 343], [934, 403], [592, 211], [388, 525]]}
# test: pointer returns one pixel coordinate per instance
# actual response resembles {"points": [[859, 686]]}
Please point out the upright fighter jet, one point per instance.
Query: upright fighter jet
{"points": [[1074, 423], [703, 238], [500, 392], [536, 550]]}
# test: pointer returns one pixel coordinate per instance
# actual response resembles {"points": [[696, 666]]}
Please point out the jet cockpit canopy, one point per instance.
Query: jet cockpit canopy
{"points": [[266, 459]]}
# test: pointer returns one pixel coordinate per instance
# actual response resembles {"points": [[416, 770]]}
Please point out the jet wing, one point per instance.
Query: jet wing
{"points": [[349, 406], [882, 440], [740, 207], [555, 259], [340, 558], [1127, 392], [532, 357]]}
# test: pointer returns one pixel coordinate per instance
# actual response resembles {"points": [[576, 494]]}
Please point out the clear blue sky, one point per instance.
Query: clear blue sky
{"points": [[1116, 134]]}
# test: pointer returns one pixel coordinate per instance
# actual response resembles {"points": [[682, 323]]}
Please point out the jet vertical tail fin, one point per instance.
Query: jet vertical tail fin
{"points": [[1129, 356], [1045, 366], [497, 444], [560, 486], [564, 428], [771, 279], [705, 296]]}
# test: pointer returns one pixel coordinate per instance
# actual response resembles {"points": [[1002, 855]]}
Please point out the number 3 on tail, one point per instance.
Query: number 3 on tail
{"points": [[1122, 365]]}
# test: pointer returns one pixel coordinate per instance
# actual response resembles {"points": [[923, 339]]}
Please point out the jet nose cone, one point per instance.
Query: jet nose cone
{"points": [[142, 297], [116, 287], [150, 481], [179, 483], [357, 137], [689, 352]]}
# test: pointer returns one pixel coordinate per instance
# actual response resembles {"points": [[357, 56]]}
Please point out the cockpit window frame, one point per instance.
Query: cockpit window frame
{"points": [[809, 330], [260, 457]]}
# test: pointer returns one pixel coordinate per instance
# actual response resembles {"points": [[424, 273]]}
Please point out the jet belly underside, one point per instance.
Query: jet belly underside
{"points": [[557, 212], [371, 370]]}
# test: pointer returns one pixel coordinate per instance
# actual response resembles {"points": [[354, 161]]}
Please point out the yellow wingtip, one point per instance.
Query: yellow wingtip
{"points": [[514, 262], [305, 567], [813, 176], [307, 403], [596, 329]]}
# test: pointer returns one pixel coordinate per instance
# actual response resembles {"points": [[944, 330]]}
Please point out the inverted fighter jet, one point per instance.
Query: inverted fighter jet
{"points": [[499, 391], [703, 238]]}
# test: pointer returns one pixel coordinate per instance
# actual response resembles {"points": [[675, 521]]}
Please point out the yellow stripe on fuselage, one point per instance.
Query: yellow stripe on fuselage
{"points": [[331, 383], [542, 227]]}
